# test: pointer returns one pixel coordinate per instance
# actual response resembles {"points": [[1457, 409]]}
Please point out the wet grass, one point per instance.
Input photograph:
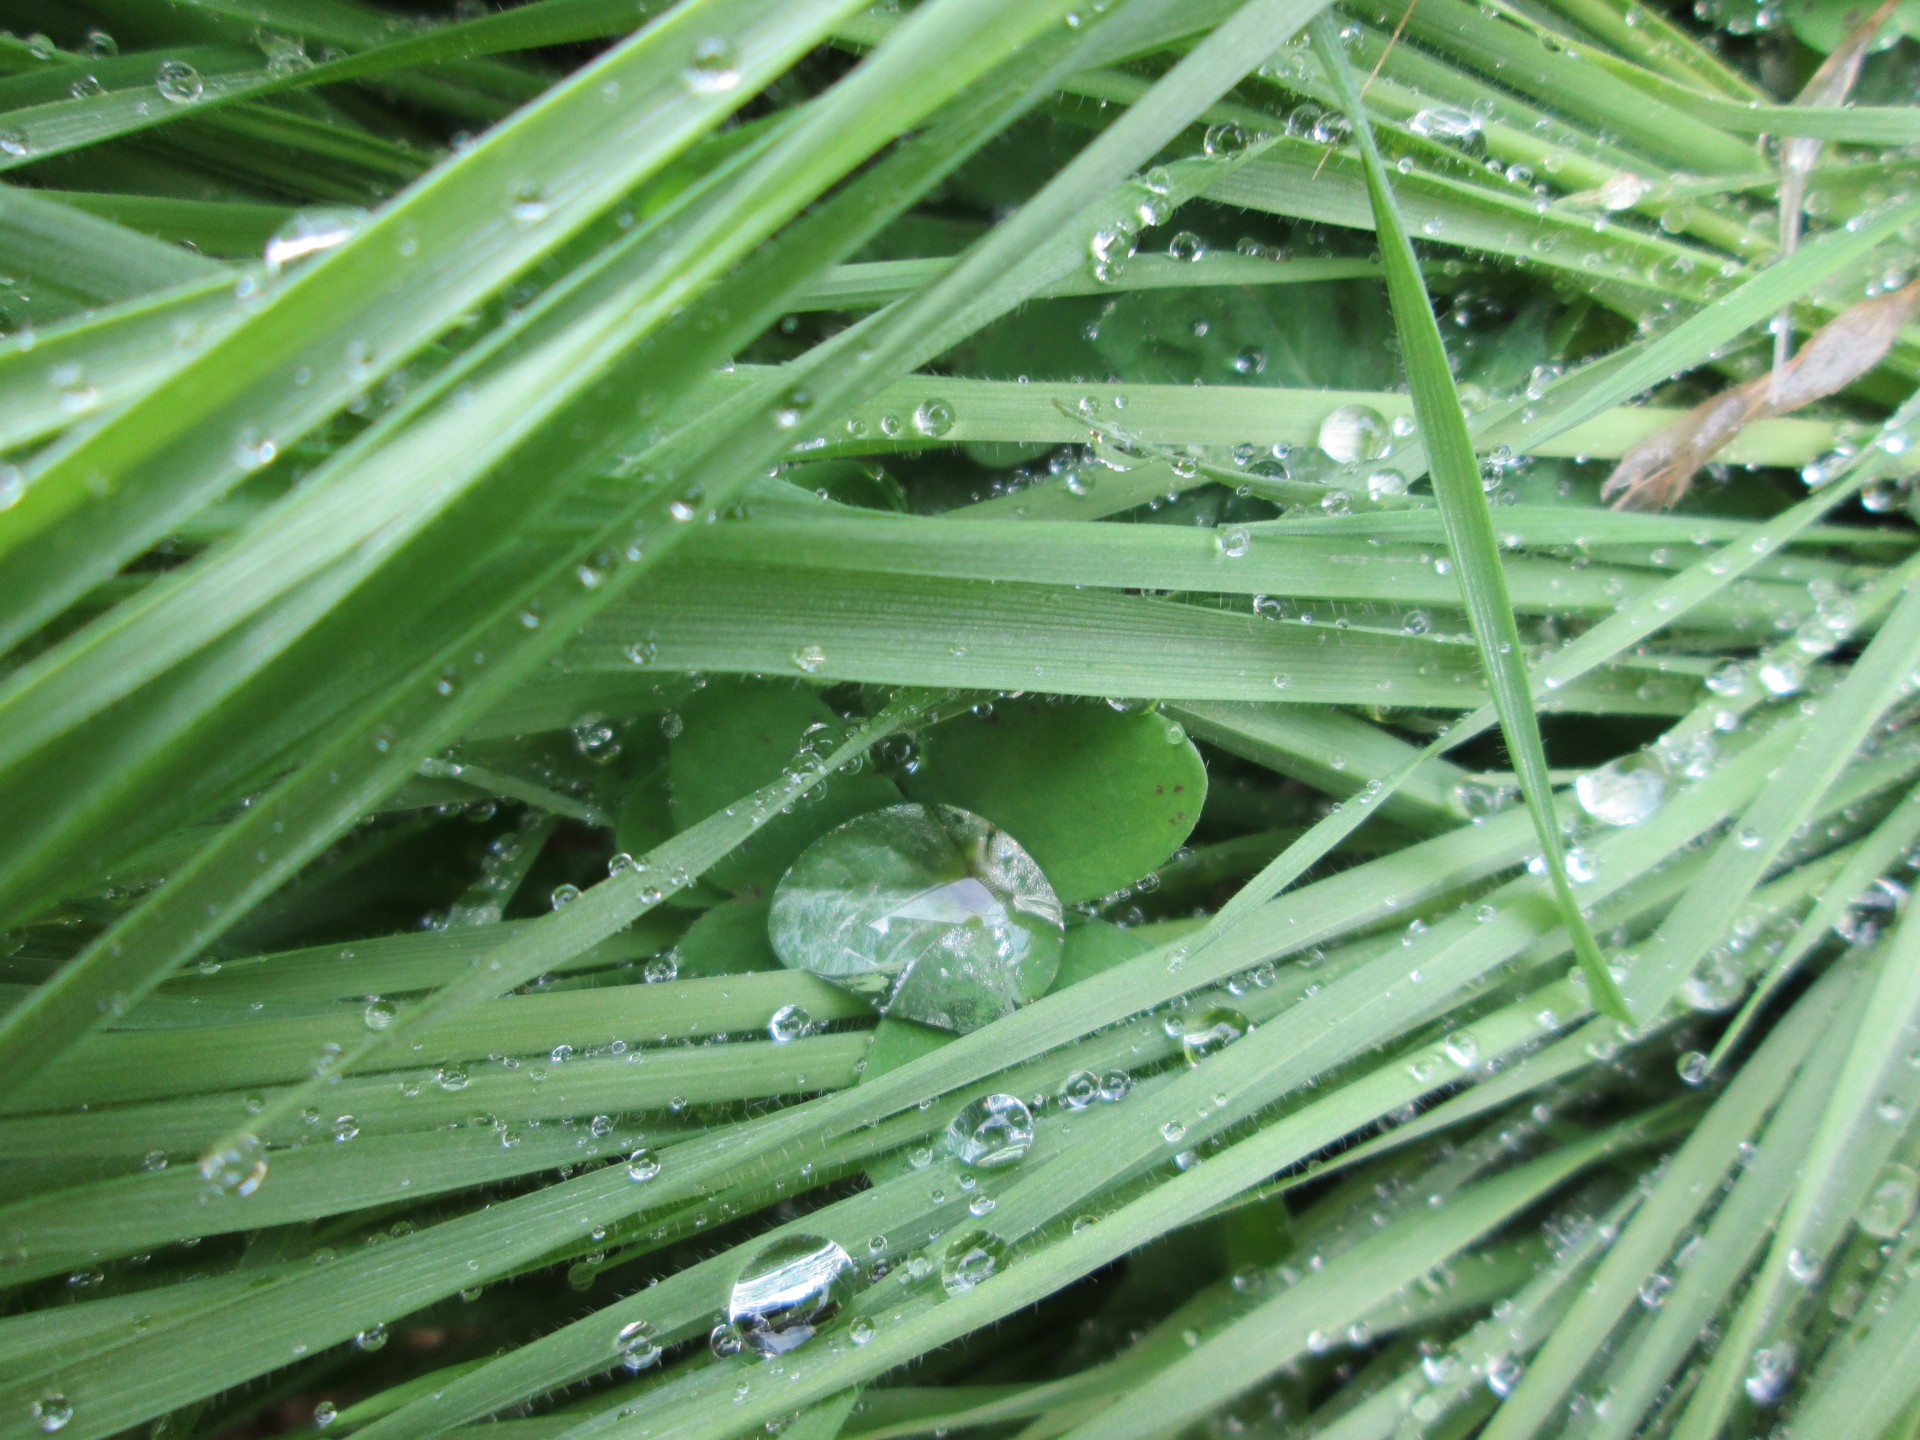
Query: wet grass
{"points": [[486, 493]]}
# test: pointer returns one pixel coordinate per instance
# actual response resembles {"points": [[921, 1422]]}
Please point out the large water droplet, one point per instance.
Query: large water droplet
{"points": [[179, 82], [1891, 1202], [1772, 1372], [1208, 1032], [788, 1292], [51, 1412], [1624, 791], [927, 911], [994, 1130], [1463, 1048], [236, 1169], [1110, 248], [933, 418], [713, 69], [635, 1345], [1445, 123], [1354, 433], [789, 1022], [1223, 140], [970, 1259]]}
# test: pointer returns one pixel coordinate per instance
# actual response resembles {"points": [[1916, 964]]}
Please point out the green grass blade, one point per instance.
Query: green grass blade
{"points": [[1470, 533]]}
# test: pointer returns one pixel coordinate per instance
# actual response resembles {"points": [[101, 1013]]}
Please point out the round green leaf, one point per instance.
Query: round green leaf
{"points": [[1097, 797], [738, 735], [730, 939]]}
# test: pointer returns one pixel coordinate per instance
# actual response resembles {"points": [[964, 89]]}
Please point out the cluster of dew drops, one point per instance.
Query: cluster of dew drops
{"points": [[799, 1283]]}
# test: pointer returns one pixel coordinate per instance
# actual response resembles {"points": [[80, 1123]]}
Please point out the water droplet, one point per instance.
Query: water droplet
{"points": [[643, 1164], [808, 659], [1384, 484], [527, 203], [1692, 1068], [789, 1292], [1354, 433], [1446, 124], [178, 82], [1623, 190], [933, 418], [1079, 1090], [236, 1169], [1624, 791], [789, 1022], [635, 1346], [1463, 1049], [370, 1339], [971, 1259], [379, 1013], [928, 912], [1208, 1032], [51, 1412], [1224, 139], [992, 1131], [1503, 1375], [713, 68], [1110, 248], [310, 233], [1891, 1202], [1772, 1373], [792, 407], [1803, 1266], [1782, 674], [1233, 542]]}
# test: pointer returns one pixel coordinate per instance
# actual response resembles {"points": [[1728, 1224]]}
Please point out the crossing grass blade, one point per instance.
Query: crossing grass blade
{"points": [[1463, 509]]}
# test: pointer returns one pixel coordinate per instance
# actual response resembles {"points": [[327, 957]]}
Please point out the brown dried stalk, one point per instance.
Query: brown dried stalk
{"points": [[1655, 473]]}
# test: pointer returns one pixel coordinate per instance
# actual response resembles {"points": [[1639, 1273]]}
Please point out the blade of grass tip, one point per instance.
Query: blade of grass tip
{"points": [[1464, 512]]}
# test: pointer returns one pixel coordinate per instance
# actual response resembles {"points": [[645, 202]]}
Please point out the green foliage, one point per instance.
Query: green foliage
{"points": [[740, 736], [483, 491], [1099, 799]]}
